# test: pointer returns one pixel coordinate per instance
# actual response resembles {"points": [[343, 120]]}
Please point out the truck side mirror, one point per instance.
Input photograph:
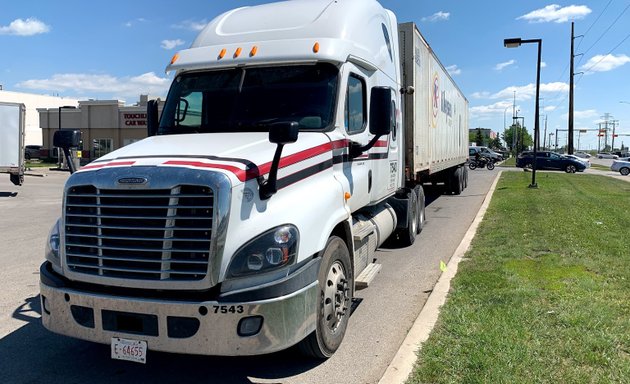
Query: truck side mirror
{"points": [[381, 113], [66, 139], [284, 132], [280, 133], [152, 117]]}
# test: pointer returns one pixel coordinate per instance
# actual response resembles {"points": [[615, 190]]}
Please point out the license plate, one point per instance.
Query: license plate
{"points": [[130, 350]]}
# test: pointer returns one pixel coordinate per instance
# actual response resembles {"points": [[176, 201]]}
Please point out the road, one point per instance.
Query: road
{"points": [[383, 313]]}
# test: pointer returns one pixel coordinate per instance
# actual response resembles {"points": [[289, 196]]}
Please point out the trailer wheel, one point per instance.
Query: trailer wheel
{"points": [[465, 177], [455, 181], [336, 288], [419, 191]]}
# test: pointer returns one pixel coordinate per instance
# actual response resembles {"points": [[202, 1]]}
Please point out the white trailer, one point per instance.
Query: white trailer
{"points": [[435, 114], [12, 141], [288, 150]]}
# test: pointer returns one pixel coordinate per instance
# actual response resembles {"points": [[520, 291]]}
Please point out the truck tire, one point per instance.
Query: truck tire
{"points": [[456, 181], [419, 191], [336, 288], [465, 177]]}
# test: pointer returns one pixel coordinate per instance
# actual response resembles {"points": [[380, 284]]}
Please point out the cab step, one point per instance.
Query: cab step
{"points": [[366, 277]]}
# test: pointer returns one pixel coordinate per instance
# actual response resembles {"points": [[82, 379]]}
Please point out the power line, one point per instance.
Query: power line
{"points": [[607, 29], [594, 22], [606, 55]]}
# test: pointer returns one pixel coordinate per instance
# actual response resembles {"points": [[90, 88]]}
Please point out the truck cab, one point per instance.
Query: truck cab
{"points": [[274, 173]]}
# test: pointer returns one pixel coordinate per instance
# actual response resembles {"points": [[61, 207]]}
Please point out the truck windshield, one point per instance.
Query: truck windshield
{"points": [[251, 99]]}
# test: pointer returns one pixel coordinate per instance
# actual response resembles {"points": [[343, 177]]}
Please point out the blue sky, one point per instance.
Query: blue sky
{"points": [[119, 49]]}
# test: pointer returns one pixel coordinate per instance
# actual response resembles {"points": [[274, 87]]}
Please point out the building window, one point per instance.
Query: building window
{"points": [[355, 105], [102, 146]]}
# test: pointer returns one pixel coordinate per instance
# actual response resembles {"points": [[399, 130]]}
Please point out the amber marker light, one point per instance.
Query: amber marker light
{"points": [[175, 58], [347, 196], [253, 52], [316, 47], [238, 51], [222, 53]]}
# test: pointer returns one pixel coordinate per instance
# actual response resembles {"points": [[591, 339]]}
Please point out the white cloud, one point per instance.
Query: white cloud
{"points": [[543, 64], [28, 27], [528, 91], [586, 114], [601, 63], [550, 108], [170, 44], [438, 16], [481, 95], [582, 115], [454, 70], [191, 25], [131, 23], [503, 65], [128, 87], [554, 13], [496, 108]]}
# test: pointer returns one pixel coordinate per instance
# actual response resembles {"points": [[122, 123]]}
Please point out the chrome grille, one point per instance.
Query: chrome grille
{"points": [[147, 234]]}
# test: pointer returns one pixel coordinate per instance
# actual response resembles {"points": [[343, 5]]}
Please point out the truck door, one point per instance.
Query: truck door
{"points": [[385, 158], [356, 171]]}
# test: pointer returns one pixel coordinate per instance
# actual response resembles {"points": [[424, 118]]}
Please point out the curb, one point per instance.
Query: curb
{"points": [[402, 364]]}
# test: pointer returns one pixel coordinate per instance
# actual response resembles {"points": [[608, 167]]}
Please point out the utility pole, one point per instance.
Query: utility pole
{"points": [[570, 149], [545, 135], [614, 124]]}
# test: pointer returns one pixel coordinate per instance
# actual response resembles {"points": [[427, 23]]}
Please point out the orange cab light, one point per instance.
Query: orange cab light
{"points": [[222, 53], [316, 47], [238, 52], [347, 196], [253, 51], [175, 58]]}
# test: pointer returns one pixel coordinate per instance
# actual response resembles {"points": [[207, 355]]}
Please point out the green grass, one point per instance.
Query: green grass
{"points": [[39, 164], [600, 167], [511, 162], [543, 295]]}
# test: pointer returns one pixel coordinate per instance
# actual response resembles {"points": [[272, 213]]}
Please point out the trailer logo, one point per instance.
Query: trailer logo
{"points": [[133, 180], [436, 99]]}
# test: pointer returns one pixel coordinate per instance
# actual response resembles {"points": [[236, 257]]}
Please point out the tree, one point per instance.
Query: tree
{"points": [[517, 138], [495, 143], [479, 138]]}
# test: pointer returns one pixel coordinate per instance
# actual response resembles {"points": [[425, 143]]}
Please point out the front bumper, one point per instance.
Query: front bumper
{"points": [[191, 327]]}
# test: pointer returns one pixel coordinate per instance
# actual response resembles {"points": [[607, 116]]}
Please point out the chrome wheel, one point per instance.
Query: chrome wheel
{"points": [[336, 296]]}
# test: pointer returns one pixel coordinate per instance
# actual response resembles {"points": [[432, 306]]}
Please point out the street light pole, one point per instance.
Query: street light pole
{"points": [[513, 43]]}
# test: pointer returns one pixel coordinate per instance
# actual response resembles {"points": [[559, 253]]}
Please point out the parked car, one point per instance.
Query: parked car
{"points": [[32, 152], [582, 155], [549, 160], [621, 166], [484, 151], [585, 161], [607, 155]]}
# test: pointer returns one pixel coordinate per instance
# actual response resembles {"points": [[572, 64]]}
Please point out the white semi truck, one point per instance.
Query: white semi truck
{"points": [[12, 141], [288, 150]]}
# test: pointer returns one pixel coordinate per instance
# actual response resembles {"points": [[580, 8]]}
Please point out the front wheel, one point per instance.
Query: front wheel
{"points": [[624, 171], [570, 169], [336, 287], [490, 166]]}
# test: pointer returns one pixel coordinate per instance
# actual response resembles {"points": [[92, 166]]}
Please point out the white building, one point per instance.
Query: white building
{"points": [[32, 102]]}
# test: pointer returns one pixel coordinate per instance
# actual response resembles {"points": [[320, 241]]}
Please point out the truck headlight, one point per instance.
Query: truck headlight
{"points": [[52, 245], [269, 251]]}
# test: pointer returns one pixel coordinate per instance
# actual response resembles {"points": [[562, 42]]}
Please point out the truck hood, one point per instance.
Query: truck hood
{"points": [[242, 156]]}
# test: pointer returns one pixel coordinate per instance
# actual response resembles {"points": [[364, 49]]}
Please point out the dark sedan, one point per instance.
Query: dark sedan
{"points": [[549, 160]]}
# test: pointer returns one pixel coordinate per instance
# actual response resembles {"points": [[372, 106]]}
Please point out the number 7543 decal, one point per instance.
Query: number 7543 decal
{"points": [[228, 309]]}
